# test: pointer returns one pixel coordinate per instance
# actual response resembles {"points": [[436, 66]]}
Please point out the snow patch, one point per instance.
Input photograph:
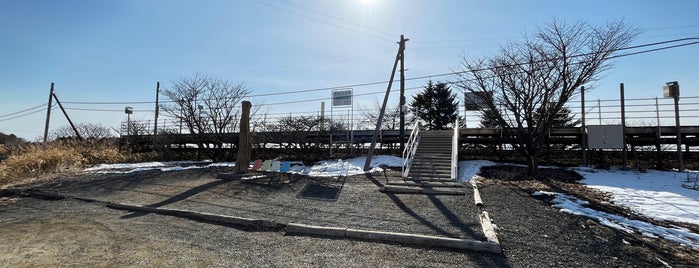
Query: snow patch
{"points": [[575, 206], [656, 194]]}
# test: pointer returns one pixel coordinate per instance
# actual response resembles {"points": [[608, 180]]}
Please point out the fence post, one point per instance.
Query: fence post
{"points": [[583, 130], [624, 151]]}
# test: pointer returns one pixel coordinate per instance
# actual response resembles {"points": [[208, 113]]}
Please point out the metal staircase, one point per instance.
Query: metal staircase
{"points": [[432, 160], [434, 157]]}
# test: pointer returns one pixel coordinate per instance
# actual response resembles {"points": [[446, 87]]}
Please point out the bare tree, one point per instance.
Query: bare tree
{"points": [[87, 130], [208, 107], [532, 80], [391, 117]]}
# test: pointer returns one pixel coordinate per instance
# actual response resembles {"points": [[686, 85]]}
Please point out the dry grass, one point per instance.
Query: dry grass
{"points": [[34, 160]]}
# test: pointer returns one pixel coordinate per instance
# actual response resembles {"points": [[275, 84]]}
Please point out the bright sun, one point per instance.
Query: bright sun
{"points": [[367, 2]]}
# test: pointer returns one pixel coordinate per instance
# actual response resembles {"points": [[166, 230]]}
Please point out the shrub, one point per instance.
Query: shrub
{"points": [[34, 160]]}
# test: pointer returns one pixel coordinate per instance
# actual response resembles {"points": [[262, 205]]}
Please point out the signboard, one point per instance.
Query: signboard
{"points": [[476, 101], [128, 110], [671, 89], [605, 137], [342, 97]]}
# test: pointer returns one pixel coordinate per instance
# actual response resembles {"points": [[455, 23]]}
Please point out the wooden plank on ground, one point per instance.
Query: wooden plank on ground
{"points": [[488, 230], [296, 228]]}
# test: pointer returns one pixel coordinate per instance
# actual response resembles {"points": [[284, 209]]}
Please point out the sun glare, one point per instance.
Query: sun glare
{"points": [[367, 2]]}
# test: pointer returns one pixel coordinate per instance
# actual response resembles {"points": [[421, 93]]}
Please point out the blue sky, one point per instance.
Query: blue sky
{"points": [[115, 51]]}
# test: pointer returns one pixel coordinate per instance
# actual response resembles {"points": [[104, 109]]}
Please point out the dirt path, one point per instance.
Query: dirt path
{"points": [[71, 232]]}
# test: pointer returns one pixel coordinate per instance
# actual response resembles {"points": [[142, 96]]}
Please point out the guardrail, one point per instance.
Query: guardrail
{"points": [[455, 150], [410, 148]]}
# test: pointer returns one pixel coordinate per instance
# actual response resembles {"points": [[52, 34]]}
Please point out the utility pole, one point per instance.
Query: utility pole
{"points": [[67, 117], [583, 129], [48, 115], [672, 90], [157, 108], [624, 156], [370, 154], [402, 92]]}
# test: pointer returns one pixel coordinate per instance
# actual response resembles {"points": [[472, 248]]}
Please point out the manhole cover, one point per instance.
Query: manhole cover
{"points": [[320, 191]]}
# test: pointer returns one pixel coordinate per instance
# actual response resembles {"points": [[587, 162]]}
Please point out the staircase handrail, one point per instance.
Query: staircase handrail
{"points": [[410, 148], [455, 150]]}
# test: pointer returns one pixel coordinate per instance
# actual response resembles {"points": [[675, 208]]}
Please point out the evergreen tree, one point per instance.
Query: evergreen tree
{"points": [[436, 106], [489, 119], [564, 118]]}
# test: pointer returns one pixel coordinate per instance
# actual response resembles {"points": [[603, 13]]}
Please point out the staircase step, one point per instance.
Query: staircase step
{"points": [[433, 158], [430, 167], [430, 174], [430, 184], [431, 164], [432, 179], [445, 161]]}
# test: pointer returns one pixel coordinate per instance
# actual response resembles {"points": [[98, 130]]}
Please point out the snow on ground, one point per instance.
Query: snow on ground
{"points": [[353, 166], [326, 168], [576, 206], [469, 169], [656, 194], [125, 168]]}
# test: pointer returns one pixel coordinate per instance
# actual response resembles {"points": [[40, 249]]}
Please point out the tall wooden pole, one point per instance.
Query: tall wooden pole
{"points": [[402, 92], [67, 117], [370, 154], [678, 129], [583, 130], [242, 159], [624, 151], [157, 109], [48, 115]]}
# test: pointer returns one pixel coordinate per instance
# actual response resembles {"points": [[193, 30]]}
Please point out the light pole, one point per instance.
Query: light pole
{"points": [[672, 90], [128, 111]]}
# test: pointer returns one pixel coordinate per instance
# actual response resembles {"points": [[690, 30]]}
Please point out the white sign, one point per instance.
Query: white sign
{"points": [[342, 97]]}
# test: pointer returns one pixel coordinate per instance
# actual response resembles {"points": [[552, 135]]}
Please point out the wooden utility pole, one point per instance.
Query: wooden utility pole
{"points": [[67, 117], [48, 115], [583, 129], [242, 159], [624, 151], [402, 92], [157, 109], [370, 154]]}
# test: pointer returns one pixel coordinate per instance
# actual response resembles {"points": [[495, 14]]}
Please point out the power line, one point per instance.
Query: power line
{"points": [[431, 75], [27, 114], [28, 109], [103, 110], [322, 21], [336, 18]]}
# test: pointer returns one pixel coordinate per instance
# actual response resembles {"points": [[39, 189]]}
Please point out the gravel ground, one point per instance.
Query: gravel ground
{"points": [[70, 232]]}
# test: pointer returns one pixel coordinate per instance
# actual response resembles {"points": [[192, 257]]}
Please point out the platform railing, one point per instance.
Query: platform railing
{"points": [[455, 150], [410, 148]]}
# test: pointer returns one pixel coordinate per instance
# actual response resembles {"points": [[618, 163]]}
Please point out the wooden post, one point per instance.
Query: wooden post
{"points": [[242, 160], [678, 130], [623, 128], [583, 131], [48, 115], [370, 154], [157, 109], [67, 117]]}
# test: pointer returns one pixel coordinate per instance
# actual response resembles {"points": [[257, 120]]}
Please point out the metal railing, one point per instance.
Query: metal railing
{"points": [[455, 150], [410, 148]]}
